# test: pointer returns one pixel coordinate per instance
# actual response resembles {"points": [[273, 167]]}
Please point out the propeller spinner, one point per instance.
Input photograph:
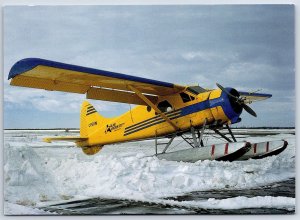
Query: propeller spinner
{"points": [[239, 100]]}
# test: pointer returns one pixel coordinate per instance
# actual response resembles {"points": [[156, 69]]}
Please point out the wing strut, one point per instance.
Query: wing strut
{"points": [[148, 102]]}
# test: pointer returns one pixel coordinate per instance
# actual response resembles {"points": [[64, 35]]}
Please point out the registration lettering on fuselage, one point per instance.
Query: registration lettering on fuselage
{"points": [[92, 124]]}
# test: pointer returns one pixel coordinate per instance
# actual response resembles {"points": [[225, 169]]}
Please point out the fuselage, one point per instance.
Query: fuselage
{"points": [[185, 109]]}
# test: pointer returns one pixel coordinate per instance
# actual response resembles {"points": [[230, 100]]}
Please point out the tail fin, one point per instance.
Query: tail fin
{"points": [[90, 119]]}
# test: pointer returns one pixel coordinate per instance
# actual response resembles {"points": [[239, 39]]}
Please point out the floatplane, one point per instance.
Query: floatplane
{"points": [[164, 110]]}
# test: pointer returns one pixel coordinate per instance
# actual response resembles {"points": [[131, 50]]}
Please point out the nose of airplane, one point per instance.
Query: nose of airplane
{"points": [[231, 108]]}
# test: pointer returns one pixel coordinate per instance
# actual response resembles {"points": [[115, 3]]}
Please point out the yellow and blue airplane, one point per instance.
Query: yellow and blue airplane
{"points": [[163, 109]]}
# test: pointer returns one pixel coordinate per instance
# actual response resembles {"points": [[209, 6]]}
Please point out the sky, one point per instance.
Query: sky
{"points": [[248, 47]]}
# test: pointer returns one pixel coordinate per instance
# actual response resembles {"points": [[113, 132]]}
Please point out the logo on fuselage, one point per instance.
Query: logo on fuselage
{"points": [[113, 127]]}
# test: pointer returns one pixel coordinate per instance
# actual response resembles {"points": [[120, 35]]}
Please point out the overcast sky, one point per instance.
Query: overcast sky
{"points": [[245, 47]]}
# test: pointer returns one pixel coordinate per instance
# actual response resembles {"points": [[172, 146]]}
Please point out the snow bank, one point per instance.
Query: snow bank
{"points": [[239, 202], [36, 174], [26, 179], [136, 176]]}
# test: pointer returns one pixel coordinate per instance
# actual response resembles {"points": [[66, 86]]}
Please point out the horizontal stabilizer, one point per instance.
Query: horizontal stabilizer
{"points": [[70, 138]]}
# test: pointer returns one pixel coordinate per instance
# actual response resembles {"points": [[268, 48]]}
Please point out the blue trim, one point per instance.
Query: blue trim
{"points": [[200, 106], [30, 63], [255, 94], [222, 101]]}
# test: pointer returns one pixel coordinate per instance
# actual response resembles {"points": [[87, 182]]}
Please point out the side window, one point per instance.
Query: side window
{"points": [[165, 106], [185, 97]]}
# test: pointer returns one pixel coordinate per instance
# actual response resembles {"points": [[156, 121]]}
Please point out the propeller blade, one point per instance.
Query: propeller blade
{"points": [[228, 93], [239, 100], [248, 109]]}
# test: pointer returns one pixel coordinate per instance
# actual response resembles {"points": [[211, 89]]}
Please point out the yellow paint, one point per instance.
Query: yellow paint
{"points": [[215, 94], [56, 79], [147, 101], [117, 96], [97, 131], [137, 124], [218, 114], [146, 120]]}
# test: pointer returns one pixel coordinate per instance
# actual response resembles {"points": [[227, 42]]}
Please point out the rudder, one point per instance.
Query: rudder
{"points": [[90, 119]]}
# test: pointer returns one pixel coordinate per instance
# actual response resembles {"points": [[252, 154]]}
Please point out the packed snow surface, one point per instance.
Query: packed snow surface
{"points": [[38, 173], [15, 209]]}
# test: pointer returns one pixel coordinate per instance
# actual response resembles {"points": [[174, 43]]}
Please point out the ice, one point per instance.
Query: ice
{"points": [[38, 173]]}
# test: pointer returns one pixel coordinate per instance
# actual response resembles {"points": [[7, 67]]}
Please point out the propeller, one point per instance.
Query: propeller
{"points": [[239, 100]]}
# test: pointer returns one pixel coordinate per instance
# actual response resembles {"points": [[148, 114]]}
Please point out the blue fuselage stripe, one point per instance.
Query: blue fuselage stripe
{"points": [[200, 106]]}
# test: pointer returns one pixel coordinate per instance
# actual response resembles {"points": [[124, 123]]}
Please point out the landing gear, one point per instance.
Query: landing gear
{"points": [[230, 151], [195, 137], [224, 136], [164, 143], [230, 132], [196, 141]]}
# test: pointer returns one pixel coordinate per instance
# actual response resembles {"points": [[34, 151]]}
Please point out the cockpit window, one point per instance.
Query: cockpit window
{"points": [[165, 106], [196, 89], [185, 97]]}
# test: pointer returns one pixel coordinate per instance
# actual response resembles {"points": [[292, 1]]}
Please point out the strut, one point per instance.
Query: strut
{"points": [[230, 132], [222, 135], [164, 143]]}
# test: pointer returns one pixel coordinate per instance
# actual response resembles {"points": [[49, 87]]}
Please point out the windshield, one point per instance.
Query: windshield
{"points": [[196, 89]]}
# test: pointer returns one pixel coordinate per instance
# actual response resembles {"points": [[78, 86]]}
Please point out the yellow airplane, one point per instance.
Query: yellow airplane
{"points": [[163, 109]]}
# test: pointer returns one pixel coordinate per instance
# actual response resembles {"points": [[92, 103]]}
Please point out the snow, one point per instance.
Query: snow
{"points": [[15, 209], [38, 173], [239, 202]]}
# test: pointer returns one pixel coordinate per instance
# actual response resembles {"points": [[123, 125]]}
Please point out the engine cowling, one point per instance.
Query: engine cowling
{"points": [[225, 107]]}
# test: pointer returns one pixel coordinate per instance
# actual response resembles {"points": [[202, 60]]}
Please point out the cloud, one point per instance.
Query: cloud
{"points": [[258, 75], [248, 47], [210, 56], [56, 102]]}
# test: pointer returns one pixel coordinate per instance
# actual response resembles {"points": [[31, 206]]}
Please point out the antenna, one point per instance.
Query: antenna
{"points": [[130, 113]]}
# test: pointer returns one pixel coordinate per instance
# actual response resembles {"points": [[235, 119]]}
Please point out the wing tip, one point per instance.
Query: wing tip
{"points": [[22, 66]]}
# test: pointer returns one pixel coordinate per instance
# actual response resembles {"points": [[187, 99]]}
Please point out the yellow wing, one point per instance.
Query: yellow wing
{"points": [[97, 84]]}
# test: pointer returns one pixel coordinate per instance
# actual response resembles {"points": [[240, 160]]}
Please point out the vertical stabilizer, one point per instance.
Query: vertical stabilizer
{"points": [[90, 120]]}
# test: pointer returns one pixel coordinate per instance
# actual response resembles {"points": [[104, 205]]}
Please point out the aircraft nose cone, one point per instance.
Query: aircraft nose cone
{"points": [[230, 107]]}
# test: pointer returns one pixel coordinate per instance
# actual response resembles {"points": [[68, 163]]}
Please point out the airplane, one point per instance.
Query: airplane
{"points": [[163, 110]]}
